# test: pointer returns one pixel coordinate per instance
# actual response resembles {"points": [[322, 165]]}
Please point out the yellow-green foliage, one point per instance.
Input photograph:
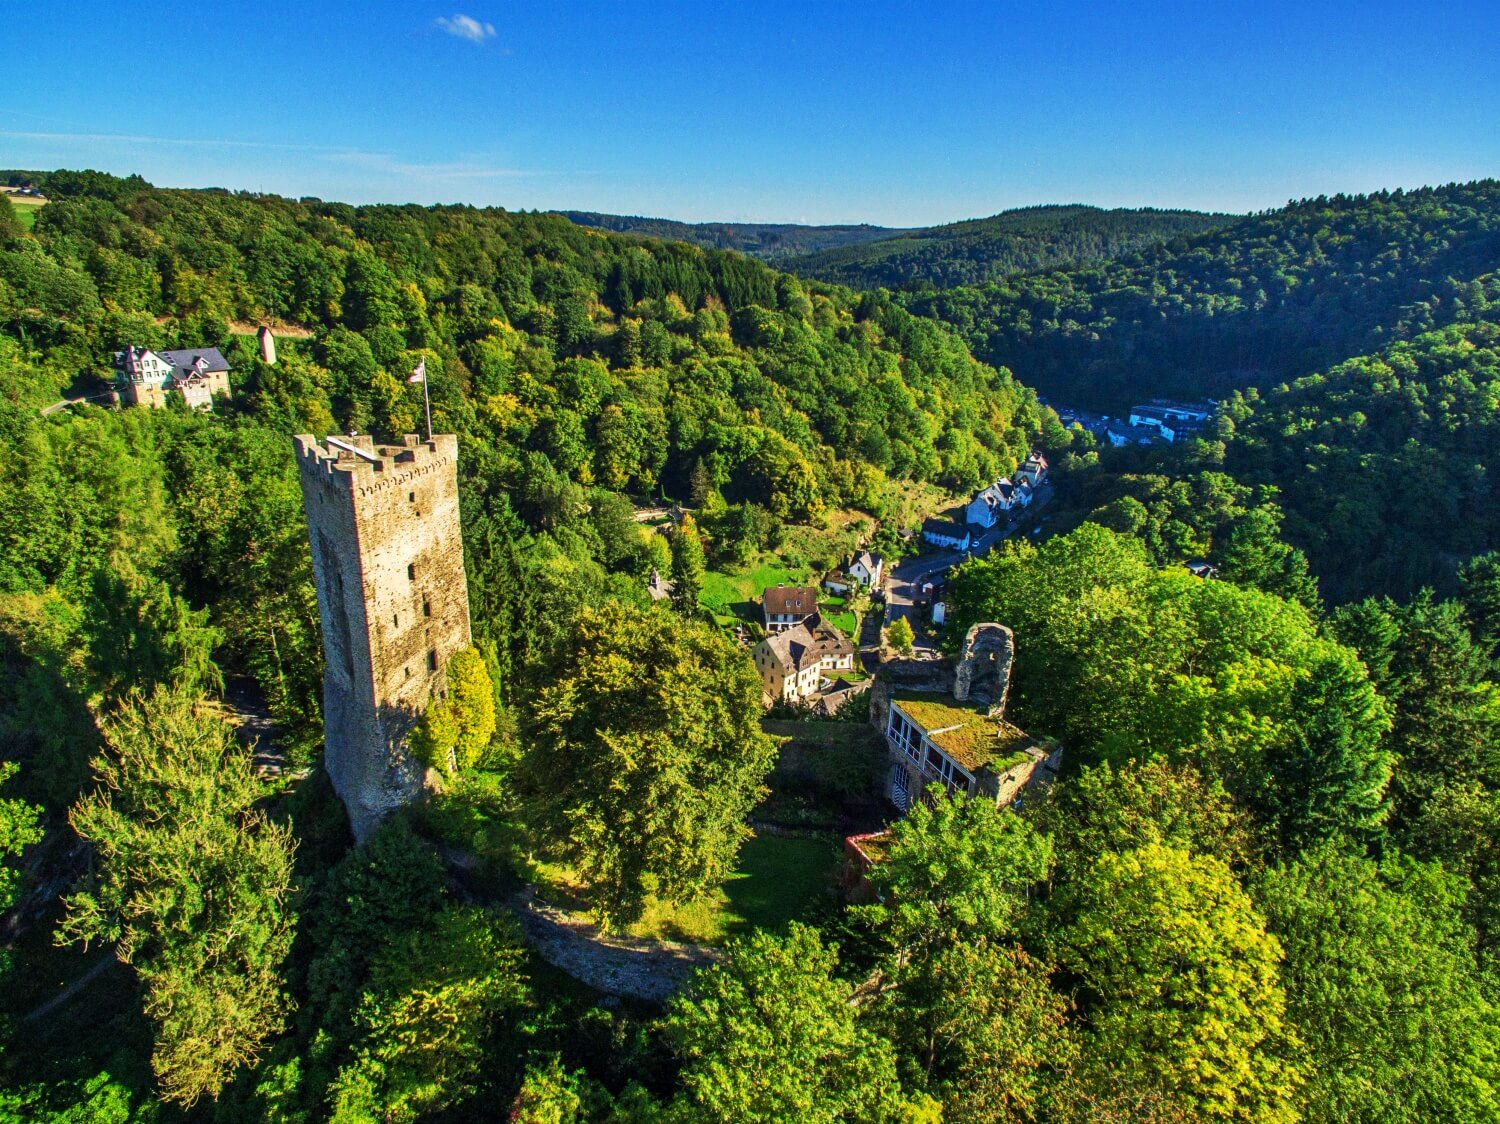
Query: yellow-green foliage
{"points": [[455, 732]]}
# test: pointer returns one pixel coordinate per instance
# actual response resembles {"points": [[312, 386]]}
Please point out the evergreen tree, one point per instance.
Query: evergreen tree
{"points": [[688, 565], [191, 889]]}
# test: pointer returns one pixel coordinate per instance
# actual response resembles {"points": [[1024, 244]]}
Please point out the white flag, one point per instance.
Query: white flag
{"points": [[419, 372]]}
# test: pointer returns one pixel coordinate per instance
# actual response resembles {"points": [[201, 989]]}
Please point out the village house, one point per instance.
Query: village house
{"points": [[1170, 421], [942, 532], [1034, 471], [989, 504], [786, 606], [865, 569], [145, 377], [791, 662], [1119, 435]]}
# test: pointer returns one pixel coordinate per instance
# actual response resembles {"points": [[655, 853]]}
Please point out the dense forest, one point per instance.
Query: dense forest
{"points": [[1025, 240], [1265, 886], [769, 241], [1266, 299], [1380, 469]]}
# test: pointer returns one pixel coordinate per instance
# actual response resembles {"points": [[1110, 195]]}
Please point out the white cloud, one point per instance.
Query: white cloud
{"points": [[467, 27]]}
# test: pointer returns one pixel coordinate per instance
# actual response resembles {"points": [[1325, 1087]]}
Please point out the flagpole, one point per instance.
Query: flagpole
{"points": [[427, 401]]}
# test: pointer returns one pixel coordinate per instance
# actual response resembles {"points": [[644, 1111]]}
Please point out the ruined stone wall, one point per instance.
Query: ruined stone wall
{"points": [[393, 601], [983, 672]]}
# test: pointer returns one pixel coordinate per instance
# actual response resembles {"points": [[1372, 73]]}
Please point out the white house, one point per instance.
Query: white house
{"points": [[1153, 417], [987, 506], [144, 377], [786, 606], [940, 532], [864, 569], [867, 568], [1122, 435]]}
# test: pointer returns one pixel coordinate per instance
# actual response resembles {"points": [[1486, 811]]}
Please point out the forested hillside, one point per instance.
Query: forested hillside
{"points": [[1387, 464], [571, 363], [1381, 469], [1025, 240], [1265, 885], [768, 241], [1263, 300]]}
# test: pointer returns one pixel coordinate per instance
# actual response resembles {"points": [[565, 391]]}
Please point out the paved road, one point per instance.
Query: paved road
{"points": [[905, 579]]}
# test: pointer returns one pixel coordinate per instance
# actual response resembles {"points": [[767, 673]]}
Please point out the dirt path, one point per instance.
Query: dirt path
{"points": [[637, 968]]}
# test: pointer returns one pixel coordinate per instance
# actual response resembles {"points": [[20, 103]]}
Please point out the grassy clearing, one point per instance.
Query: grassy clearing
{"points": [[732, 596], [835, 612], [25, 209], [778, 880]]}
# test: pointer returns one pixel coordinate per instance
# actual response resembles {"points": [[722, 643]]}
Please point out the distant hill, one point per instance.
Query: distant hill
{"points": [[1025, 240], [1265, 299], [768, 241]]}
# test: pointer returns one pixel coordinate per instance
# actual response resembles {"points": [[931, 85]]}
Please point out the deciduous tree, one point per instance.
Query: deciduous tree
{"points": [[771, 1035], [644, 754]]}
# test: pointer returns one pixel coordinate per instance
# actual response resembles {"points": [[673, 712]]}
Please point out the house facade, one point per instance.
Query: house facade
{"points": [[867, 569], [989, 505], [940, 532], [144, 377], [792, 662], [786, 606], [864, 570]]}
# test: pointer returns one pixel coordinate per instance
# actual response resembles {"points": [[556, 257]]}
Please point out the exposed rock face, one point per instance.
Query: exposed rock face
{"points": [[983, 673], [393, 601]]}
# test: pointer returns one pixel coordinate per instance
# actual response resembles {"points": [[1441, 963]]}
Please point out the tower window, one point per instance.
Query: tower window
{"points": [[395, 620], [411, 572], [411, 497], [432, 660], [426, 607]]}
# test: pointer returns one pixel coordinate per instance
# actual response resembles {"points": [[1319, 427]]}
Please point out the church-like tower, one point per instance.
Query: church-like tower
{"points": [[388, 562]]}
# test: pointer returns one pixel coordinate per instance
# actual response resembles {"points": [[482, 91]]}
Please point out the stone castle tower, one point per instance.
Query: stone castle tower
{"points": [[388, 562]]}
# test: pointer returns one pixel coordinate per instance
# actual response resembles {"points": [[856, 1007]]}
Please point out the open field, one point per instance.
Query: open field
{"points": [[26, 207], [731, 597]]}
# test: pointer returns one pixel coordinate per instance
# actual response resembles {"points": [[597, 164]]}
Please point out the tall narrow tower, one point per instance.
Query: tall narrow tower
{"points": [[389, 566]]}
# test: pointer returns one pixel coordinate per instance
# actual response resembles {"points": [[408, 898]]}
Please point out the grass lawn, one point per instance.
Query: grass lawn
{"points": [[841, 618], [728, 596], [853, 675], [778, 880]]}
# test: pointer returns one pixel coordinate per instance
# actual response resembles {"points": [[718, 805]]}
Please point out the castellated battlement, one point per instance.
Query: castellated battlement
{"points": [[387, 552]]}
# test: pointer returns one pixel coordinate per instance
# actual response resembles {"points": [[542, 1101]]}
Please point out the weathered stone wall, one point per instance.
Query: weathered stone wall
{"points": [[393, 601], [983, 673]]}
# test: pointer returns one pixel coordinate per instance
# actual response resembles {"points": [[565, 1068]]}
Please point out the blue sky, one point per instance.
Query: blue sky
{"points": [[900, 114]]}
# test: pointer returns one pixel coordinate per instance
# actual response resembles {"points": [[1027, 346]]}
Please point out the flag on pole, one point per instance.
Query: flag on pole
{"points": [[419, 372]]}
